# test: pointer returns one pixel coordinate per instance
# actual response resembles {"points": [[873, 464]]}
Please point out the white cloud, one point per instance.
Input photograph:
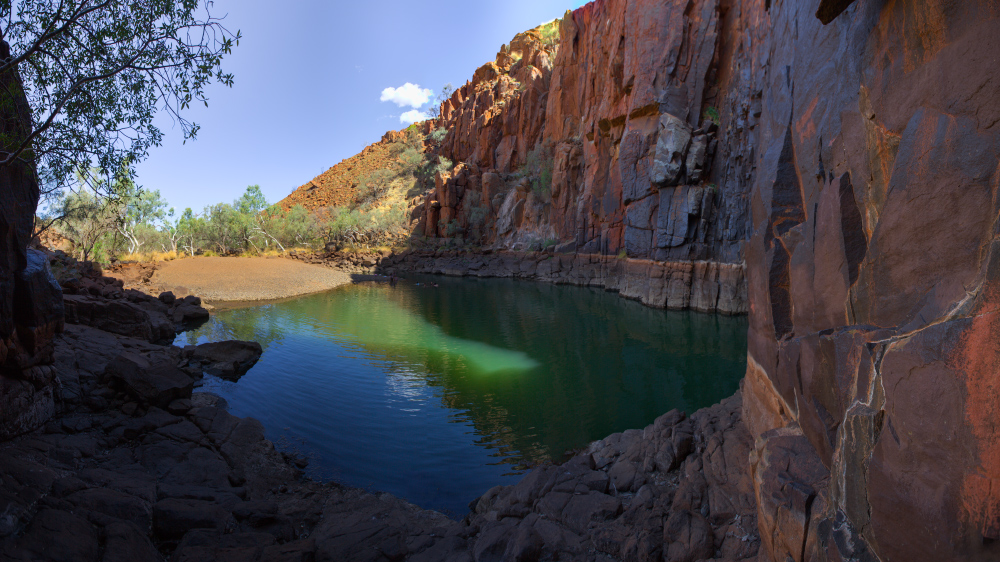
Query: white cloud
{"points": [[412, 116], [407, 95]]}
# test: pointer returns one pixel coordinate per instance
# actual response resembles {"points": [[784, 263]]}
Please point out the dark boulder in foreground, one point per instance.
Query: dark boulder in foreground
{"points": [[150, 383]]}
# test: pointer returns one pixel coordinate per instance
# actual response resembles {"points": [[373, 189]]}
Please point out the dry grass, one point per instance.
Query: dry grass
{"points": [[151, 256], [268, 253]]}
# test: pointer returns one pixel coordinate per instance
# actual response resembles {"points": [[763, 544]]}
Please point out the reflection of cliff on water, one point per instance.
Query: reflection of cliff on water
{"points": [[606, 364], [433, 393], [248, 324], [537, 369]]}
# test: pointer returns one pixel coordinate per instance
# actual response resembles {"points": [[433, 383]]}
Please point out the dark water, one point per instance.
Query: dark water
{"points": [[438, 394]]}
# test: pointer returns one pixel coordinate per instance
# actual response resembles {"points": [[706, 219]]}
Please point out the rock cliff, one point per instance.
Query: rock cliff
{"points": [[847, 152], [604, 142], [31, 309], [871, 383]]}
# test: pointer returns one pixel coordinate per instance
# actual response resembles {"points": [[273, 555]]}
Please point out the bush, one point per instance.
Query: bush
{"points": [[475, 215], [444, 165], [538, 166], [549, 33], [439, 134], [397, 148], [374, 185], [451, 228], [366, 227], [411, 159]]}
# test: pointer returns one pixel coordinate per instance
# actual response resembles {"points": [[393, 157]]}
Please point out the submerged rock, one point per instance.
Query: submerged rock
{"points": [[229, 360]]}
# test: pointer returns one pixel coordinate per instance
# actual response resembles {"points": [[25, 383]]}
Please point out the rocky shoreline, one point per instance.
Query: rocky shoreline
{"points": [[705, 286], [136, 465]]}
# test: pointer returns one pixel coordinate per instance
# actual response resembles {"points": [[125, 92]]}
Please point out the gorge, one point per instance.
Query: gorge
{"points": [[828, 167], [437, 394]]}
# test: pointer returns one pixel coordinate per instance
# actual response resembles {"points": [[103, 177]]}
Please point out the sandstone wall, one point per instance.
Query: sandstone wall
{"points": [[623, 112], [872, 382]]}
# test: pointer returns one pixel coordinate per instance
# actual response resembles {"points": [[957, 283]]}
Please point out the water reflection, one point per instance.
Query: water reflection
{"points": [[437, 394], [257, 324]]}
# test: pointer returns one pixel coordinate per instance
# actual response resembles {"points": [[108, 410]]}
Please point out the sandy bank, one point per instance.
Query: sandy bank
{"points": [[245, 279]]}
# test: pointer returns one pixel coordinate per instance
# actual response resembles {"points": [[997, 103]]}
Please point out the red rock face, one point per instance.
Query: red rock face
{"points": [[848, 153], [613, 112], [873, 356], [860, 142]]}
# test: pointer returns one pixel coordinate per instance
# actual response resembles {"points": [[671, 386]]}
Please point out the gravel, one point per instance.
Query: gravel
{"points": [[245, 279]]}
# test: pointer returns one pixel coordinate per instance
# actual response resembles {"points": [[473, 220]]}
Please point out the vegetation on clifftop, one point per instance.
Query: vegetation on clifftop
{"points": [[137, 224]]}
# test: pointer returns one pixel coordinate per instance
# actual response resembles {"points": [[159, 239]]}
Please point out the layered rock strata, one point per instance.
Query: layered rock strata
{"points": [[703, 286]]}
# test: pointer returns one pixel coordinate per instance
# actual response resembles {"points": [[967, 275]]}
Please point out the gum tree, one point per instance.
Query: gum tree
{"points": [[95, 72]]}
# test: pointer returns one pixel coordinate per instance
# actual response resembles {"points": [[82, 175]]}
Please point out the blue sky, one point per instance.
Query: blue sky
{"points": [[309, 78]]}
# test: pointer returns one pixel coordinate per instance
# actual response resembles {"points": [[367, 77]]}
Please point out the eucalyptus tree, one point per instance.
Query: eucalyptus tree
{"points": [[138, 208], [94, 73], [189, 229], [88, 222]]}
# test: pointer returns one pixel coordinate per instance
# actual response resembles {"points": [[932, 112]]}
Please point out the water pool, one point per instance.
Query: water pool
{"points": [[436, 394]]}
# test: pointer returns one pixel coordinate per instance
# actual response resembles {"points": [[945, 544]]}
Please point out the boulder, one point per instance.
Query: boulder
{"points": [[126, 542], [689, 537], [156, 383], [38, 311], [117, 316], [56, 536], [670, 152], [229, 360]]}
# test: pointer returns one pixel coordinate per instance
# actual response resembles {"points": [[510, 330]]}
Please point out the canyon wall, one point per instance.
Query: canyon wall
{"points": [[704, 286], [847, 153], [605, 141], [873, 281]]}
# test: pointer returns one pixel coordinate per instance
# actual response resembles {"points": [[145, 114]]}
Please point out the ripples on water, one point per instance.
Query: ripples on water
{"points": [[436, 394]]}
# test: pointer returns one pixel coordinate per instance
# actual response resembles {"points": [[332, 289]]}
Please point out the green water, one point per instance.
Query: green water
{"points": [[437, 394]]}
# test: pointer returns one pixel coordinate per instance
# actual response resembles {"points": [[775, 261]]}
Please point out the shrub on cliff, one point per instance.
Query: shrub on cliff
{"points": [[444, 165], [365, 227], [538, 167], [374, 185], [549, 33], [411, 160]]}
